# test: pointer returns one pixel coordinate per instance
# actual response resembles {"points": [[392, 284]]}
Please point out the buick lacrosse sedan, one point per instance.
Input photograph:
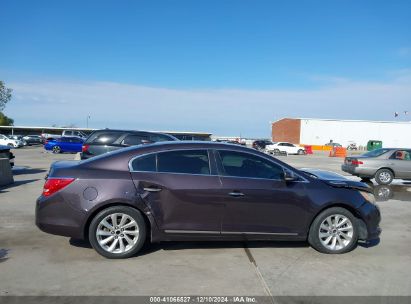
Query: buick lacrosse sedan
{"points": [[185, 191]]}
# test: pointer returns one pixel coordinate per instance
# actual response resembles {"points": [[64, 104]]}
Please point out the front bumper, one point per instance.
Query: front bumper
{"points": [[371, 218]]}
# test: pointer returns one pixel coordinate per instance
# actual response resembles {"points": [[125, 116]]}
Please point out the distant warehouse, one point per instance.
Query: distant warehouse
{"points": [[311, 131]]}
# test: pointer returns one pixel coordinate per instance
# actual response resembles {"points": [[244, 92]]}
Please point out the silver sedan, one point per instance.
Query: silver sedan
{"points": [[382, 164]]}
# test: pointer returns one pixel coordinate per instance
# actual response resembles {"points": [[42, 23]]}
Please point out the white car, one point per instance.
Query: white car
{"points": [[5, 141], [287, 147]]}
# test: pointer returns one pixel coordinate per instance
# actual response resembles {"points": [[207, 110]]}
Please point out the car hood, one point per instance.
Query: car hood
{"points": [[336, 180]]}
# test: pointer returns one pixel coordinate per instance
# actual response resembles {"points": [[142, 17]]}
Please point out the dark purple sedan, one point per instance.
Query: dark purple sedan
{"points": [[181, 191]]}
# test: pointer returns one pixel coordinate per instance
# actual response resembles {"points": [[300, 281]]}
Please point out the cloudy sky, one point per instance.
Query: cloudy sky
{"points": [[226, 67]]}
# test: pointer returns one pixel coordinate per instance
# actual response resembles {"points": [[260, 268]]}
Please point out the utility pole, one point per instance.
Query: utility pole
{"points": [[88, 117]]}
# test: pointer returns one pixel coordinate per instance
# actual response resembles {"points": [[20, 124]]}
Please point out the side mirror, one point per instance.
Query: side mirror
{"points": [[289, 176]]}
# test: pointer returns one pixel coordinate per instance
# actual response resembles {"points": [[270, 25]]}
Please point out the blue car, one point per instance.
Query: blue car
{"points": [[64, 144]]}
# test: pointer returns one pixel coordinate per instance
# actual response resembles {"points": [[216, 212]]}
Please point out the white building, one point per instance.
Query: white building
{"points": [[312, 131]]}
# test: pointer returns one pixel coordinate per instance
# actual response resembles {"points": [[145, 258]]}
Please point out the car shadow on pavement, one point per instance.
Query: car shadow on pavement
{"points": [[27, 170], [184, 245], [3, 189], [3, 255]]}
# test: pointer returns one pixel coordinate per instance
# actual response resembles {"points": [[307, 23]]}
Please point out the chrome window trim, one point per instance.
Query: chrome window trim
{"points": [[173, 150]]}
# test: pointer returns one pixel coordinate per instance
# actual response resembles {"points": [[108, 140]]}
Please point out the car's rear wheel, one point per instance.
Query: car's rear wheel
{"points": [[300, 152], [335, 230], [384, 176], [56, 149], [117, 232]]}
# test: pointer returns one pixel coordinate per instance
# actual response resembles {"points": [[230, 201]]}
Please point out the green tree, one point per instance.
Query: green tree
{"points": [[5, 97], [5, 121]]}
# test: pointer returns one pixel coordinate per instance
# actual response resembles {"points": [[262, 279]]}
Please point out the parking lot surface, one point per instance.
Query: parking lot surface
{"points": [[35, 263]]}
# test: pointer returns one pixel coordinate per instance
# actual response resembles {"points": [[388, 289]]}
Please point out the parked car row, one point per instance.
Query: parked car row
{"points": [[104, 141], [18, 141], [278, 148]]}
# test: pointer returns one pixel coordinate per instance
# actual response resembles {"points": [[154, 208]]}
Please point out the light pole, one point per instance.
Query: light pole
{"points": [[88, 117]]}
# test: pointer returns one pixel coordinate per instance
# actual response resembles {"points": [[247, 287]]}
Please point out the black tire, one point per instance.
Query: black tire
{"points": [[131, 212], [300, 152], [56, 149], [365, 179], [314, 238], [10, 145], [384, 176]]}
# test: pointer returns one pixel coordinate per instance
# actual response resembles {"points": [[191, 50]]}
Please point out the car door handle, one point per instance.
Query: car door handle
{"points": [[236, 194], [152, 189]]}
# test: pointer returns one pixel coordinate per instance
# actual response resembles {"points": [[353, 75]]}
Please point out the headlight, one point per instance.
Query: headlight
{"points": [[369, 197]]}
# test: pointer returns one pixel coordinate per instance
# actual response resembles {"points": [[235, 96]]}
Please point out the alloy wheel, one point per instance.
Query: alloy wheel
{"points": [[384, 176], [336, 232], [117, 233]]}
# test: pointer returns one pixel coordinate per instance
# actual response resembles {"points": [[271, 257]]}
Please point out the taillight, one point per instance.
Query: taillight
{"points": [[356, 162], [84, 148], [52, 185]]}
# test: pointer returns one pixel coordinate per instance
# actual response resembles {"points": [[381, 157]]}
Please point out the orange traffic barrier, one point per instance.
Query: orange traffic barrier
{"points": [[338, 152], [308, 149], [320, 147]]}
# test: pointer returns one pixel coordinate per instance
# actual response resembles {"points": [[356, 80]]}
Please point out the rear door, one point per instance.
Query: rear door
{"points": [[181, 189], [76, 144]]}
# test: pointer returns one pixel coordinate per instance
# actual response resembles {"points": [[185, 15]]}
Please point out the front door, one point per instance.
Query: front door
{"points": [[258, 200]]}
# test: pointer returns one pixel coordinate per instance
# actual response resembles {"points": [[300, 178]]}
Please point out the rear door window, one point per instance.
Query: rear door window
{"points": [[185, 161], [75, 140]]}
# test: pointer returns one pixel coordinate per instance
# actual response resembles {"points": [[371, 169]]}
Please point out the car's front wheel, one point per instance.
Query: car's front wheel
{"points": [[117, 232], [333, 231], [56, 149], [384, 176]]}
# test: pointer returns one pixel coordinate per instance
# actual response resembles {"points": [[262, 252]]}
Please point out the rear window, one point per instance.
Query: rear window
{"points": [[103, 138], [145, 163], [376, 153]]}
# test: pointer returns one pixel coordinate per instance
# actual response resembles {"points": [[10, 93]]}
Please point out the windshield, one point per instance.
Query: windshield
{"points": [[376, 153]]}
